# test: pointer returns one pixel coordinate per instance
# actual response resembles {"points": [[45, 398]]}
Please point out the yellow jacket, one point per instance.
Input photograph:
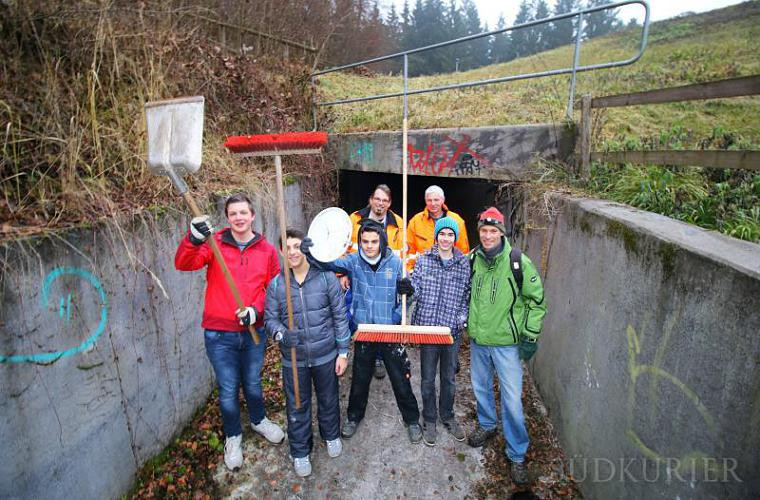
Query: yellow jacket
{"points": [[419, 234], [393, 223]]}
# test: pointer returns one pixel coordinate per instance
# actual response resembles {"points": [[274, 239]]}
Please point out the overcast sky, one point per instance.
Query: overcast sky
{"points": [[660, 9]]}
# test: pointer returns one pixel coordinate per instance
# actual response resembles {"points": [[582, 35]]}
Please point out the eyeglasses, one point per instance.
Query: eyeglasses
{"points": [[380, 200]]}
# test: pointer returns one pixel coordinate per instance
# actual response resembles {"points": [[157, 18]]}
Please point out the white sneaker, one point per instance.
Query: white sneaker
{"points": [[334, 447], [302, 466], [233, 453], [269, 430]]}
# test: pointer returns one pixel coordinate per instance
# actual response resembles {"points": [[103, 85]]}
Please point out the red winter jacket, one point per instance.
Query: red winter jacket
{"points": [[252, 269]]}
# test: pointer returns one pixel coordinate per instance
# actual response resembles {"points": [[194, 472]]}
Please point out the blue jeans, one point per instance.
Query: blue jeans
{"points": [[430, 357], [237, 360], [506, 361]]}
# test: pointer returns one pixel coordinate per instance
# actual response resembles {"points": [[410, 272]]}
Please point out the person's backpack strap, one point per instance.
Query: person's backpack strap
{"points": [[515, 265]]}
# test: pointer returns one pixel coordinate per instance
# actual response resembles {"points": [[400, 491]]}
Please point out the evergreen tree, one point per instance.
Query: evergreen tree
{"points": [[563, 32], [476, 51], [457, 29], [542, 31], [502, 47], [524, 39], [601, 23]]}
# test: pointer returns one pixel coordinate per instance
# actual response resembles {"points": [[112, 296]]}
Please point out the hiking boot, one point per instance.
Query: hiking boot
{"points": [[429, 433], [454, 429], [349, 429], [519, 473], [415, 432], [269, 430], [302, 466], [334, 447], [233, 453], [379, 369], [480, 435]]}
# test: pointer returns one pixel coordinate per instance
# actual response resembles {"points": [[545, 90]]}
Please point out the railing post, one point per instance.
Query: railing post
{"points": [[585, 144]]}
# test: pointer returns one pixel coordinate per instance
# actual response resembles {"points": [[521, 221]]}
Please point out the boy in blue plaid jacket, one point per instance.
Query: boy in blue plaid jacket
{"points": [[441, 287], [374, 271]]}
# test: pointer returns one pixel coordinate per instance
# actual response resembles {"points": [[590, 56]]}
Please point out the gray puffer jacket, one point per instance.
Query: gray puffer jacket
{"points": [[319, 317]]}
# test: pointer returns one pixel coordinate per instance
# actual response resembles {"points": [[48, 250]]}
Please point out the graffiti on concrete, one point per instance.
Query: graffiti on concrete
{"points": [[64, 311], [362, 152], [638, 370], [451, 157]]}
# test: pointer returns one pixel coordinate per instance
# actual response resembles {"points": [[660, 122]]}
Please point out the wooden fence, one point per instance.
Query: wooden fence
{"points": [[734, 87]]}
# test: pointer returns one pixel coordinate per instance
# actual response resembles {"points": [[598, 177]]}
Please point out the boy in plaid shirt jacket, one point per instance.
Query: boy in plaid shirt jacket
{"points": [[441, 287]]}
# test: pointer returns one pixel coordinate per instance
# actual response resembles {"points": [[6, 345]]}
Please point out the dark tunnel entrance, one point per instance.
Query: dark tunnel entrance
{"points": [[467, 197]]}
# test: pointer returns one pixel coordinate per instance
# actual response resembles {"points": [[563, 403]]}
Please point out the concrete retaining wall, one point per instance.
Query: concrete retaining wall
{"points": [[649, 359], [483, 152], [102, 353]]}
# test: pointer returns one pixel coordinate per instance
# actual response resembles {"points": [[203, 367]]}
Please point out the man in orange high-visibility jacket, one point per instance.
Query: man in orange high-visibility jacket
{"points": [[379, 210], [419, 232]]}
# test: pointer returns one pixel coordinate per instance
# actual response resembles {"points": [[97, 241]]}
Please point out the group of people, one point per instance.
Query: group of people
{"points": [[493, 292]]}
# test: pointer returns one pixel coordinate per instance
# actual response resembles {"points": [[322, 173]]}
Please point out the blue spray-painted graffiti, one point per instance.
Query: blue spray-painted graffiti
{"points": [[362, 152], [65, 310]]}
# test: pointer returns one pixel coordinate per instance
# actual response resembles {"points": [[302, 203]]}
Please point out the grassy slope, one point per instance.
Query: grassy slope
{"points": [[719, 44]]}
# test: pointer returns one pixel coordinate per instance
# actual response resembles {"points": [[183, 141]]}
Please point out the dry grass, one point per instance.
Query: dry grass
{"points": [[74, 80]]}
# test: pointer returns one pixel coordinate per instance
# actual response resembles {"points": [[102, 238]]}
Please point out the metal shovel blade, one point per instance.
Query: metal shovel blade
{"points": [[175, 137]]}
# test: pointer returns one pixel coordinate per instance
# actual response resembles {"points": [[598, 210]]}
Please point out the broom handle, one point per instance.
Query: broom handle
{"points": [[288, 300], [404, 161], [220, 260]]}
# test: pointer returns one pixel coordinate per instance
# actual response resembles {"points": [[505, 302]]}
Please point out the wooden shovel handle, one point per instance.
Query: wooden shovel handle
{"points": [[288, 299], [220, 260]]}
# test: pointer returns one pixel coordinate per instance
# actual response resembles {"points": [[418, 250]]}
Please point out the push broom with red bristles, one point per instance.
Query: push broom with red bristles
{"points": [[403, 333], [277, 145]]}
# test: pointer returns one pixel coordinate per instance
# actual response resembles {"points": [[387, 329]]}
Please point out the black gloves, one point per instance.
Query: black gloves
{"points": [[404, 287], [306, 245], [527, 348], [200, 229], [247, 315], [290, 338]]}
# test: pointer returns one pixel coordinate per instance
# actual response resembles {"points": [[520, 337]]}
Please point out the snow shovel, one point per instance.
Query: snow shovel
{"points": [[175, 143]]}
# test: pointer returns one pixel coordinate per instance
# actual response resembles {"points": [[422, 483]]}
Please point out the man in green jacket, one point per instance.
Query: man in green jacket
{"points": [[504, 323]]}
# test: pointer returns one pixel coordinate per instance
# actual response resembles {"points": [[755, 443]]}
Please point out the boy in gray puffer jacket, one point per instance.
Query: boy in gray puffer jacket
{"points": [[321, 336]]}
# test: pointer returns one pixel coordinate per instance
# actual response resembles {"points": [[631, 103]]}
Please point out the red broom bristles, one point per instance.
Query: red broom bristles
{"points": [[276, 142]]}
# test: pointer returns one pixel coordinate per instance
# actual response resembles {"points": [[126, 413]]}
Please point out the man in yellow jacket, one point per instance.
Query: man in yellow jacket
{"points": [[419, 232], [379, 210]]}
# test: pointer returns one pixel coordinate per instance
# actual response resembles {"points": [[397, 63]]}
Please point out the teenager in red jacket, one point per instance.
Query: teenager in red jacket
{"points": [[230, 349]]}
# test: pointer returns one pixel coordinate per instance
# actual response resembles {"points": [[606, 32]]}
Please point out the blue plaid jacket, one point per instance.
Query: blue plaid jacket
{"points": [[441, 290], [374, 292]]}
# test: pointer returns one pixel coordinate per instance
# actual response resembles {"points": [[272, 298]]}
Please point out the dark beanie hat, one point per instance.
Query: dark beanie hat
{"points": [[374, 226], [492, 217]]}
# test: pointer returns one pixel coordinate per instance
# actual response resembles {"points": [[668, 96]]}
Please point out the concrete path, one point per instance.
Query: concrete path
{"points": [[378, 462]]}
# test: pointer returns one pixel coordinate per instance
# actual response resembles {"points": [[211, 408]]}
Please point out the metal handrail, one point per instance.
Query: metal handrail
{"points": [[571, 70]]}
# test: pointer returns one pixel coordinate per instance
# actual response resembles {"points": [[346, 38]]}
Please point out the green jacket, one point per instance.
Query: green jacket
{"points": [[499, 314]]}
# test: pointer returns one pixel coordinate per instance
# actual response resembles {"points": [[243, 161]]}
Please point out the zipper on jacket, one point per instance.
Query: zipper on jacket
{"points": [[305, 326], [513, 323]]}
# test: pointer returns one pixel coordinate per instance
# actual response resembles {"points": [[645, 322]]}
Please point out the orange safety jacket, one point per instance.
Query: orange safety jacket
{"points": [[419, 234], [393, 224]]}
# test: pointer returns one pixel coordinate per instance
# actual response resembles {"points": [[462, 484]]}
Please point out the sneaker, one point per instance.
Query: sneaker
{"points": [[334, 447], [379, 369], [480, 435], [302, 466], [269, 430], [415, 432], [429, 433], [233, 453], [349, 429], [454, 429], [519, 473]]}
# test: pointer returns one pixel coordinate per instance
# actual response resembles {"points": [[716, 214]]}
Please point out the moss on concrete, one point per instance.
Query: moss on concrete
{"points": [[624, 233]]}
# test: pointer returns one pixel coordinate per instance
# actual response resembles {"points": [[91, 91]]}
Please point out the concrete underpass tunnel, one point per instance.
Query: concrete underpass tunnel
{"points": [[465, 196]]}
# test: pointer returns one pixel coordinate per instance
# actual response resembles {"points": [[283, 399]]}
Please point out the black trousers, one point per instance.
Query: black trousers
{"points": [[399, 371], [325, 383]]}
